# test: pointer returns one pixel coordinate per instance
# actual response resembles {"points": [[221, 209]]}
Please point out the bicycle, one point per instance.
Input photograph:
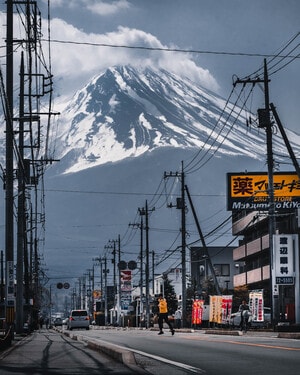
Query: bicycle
{"points": [[246, 319]]}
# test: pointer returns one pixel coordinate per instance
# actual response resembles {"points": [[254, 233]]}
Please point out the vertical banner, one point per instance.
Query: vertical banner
{"points": [[256, 305], [226, 308], [215, 312], [197, 312], [220, 309], [283, 262]]}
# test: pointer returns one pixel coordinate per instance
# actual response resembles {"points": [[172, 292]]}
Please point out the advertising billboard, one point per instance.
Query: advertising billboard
{"points": [[250, 191]]}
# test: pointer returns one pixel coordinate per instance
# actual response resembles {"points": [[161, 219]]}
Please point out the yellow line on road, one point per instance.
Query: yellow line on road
{"points": [[243, 343]]}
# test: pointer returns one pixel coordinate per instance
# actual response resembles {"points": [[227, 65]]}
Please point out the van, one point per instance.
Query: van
{"points": [[78, 319]]}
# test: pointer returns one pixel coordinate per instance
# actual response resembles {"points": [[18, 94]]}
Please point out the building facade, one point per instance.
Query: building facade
{"points": [[205, 262], [254, 259]]}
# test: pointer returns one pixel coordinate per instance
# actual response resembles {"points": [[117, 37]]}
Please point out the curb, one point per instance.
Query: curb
{"points": [[121, 355]]}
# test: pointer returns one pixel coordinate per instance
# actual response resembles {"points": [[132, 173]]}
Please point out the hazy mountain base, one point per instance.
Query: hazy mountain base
{"points": [[87, 209]]}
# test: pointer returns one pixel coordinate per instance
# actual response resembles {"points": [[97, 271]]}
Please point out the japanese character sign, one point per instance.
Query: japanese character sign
{"points": [[283, 259]]}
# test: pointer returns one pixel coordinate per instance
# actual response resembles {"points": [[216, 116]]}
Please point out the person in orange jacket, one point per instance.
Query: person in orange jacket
{"points": [[163, 315]]}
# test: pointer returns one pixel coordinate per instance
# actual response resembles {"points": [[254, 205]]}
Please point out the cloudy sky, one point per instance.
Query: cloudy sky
{"points": [[228, 37]]}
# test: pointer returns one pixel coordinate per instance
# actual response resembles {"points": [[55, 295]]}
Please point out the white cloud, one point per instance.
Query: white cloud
{"points": [[75, 63], [84, 55], [102, 8]]}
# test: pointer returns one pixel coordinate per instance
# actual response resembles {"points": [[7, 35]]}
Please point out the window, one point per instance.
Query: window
{"points": [[222, 269]]}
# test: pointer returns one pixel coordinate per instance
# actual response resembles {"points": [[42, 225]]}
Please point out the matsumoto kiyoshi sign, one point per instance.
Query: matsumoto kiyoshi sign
{"points": [[249, 191]]}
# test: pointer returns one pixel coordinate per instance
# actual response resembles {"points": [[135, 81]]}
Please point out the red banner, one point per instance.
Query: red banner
{"points": [[197, 311]]}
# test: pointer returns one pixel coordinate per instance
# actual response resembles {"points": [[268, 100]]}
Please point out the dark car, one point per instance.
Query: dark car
{"points": [[58, 322]]}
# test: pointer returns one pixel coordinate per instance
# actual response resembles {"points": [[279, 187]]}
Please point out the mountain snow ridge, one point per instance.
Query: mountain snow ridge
{"points": [[126, 112]]}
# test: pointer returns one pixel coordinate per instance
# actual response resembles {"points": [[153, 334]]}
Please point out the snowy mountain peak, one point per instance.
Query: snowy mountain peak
{"points": [[126, 112]]}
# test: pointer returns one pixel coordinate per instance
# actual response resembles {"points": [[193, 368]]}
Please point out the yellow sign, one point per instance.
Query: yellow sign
{"points": [[287, 185], [250, 191]]}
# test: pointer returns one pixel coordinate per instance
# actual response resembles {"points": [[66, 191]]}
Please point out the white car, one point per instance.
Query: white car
{"points": [[235, 319], [78, 319]]}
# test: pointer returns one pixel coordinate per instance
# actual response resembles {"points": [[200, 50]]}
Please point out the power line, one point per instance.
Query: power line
{"points": [[166, 49]]}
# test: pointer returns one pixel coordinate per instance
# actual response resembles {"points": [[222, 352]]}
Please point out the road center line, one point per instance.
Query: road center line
{"points": [[244, 343]]}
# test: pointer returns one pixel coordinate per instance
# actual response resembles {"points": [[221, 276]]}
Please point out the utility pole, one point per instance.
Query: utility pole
{"points": [[286, 140], [212, 271], [1, 278], [113, 247], [21, 209], [9, 172], [147, 265], [183, 246], [145, 212], [141, 227], [114, 280], [141, 266], [180, 204], [33, 85], [265, 122], [105, 288], [103, 291], [272, 225], [119, 280], [153, 268]]}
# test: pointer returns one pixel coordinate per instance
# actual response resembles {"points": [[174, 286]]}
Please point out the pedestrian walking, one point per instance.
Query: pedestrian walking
{"points": [[41, 323], [177, 317], [245, 313], [163, 315]]}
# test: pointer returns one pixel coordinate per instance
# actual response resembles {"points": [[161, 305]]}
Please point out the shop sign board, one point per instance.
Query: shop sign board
{"points": [[250, 191]]}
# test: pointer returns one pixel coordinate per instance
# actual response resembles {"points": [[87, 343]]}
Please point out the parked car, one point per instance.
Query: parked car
{"points": [[78, 319], [235, 319], [57, 322]]}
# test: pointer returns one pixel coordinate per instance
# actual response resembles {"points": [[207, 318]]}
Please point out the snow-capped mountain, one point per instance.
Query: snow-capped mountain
{"points": [[126, 112], [116, 138]]}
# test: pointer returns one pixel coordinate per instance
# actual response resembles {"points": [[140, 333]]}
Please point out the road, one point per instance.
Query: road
{"points": [[49, 352], [253, 353], [69, 352]]}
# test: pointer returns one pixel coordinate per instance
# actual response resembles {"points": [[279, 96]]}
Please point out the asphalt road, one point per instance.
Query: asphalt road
{"points": [[48, 352], [259, 353]]}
